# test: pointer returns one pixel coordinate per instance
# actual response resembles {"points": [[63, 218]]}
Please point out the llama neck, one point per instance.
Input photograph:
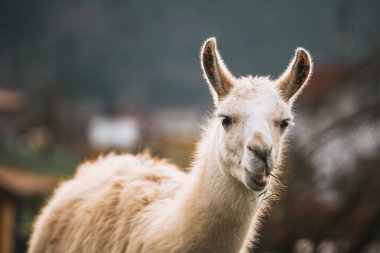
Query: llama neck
{"points": [[218, 212]]}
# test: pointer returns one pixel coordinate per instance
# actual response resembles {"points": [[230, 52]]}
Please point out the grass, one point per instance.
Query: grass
{"points": [[57, 160]]}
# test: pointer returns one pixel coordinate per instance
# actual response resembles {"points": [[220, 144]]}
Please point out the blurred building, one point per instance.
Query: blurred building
{"points": [[117, 132]]}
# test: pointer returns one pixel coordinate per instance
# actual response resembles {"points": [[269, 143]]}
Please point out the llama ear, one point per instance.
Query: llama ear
{"points": [[297, 75], [220, 80]]}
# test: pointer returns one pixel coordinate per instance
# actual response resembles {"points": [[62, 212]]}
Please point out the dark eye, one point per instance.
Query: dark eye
{"points": [[226, 121], [284, 124]]}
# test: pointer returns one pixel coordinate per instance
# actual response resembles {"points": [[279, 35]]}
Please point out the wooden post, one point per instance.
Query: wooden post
{"points": [[6, 223]]}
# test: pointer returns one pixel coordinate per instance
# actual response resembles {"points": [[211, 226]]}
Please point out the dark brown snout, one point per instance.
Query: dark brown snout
{"points": [[260, 160], [259, 167]]}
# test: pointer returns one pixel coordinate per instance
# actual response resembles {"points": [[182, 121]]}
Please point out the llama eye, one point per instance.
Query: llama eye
{"points": [[284, 124], [226, 121]]}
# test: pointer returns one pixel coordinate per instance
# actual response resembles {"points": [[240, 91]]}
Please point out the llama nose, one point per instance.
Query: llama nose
{"points": [[262, 153]]}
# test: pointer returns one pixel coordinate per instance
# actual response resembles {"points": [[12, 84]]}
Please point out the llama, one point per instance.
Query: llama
{"points": [[127, 203]]}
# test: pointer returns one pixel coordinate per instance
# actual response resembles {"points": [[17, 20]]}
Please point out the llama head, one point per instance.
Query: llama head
{"points": [[252, 114]]}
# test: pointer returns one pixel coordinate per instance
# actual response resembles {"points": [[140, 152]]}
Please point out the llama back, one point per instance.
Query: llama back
{"points": [[107, 199]]}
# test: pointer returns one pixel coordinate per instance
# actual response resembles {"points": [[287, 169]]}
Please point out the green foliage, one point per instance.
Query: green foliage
{"points": [[56, 161]]}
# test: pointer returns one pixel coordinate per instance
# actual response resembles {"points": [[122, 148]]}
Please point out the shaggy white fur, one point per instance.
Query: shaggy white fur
{"points": [[126, 203]]}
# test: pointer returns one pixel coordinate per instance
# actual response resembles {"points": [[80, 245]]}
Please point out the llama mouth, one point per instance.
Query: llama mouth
{"points": [[256, 182]]}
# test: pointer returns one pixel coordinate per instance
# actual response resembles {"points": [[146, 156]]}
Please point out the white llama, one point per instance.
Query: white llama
{"points": [[128, 204]]}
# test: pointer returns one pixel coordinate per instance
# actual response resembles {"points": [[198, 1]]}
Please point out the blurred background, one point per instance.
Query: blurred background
{"points": [[80, 78]]}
